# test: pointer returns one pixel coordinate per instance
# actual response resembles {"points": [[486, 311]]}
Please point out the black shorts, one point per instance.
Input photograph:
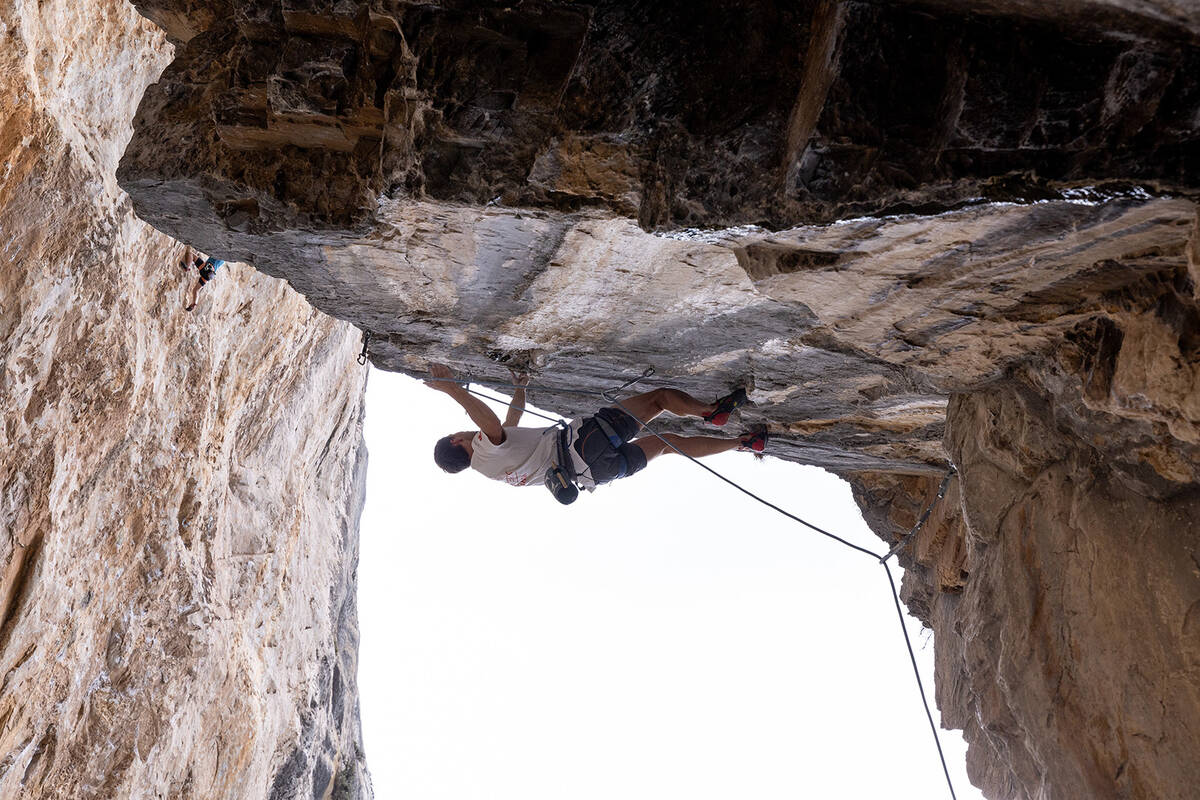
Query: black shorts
{"points": [[605, 461], [207, 273]]}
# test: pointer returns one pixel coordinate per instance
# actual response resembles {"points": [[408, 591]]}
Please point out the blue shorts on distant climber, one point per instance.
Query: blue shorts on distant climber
{"points": [[207, 268]]}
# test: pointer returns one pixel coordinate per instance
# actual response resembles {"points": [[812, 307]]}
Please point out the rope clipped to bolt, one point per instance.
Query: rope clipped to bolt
{"points": [[941, 492], [609, 396], [364, 355]]}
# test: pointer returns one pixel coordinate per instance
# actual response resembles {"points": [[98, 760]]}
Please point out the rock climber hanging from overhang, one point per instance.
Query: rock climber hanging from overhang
{"points": [[206, 267], [588, 451]]}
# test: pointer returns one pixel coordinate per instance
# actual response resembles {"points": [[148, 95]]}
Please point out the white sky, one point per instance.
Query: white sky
{"points": [[664, 637]]}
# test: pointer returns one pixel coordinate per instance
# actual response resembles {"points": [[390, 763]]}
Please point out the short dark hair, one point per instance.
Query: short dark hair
{"points": [[450, 456]]}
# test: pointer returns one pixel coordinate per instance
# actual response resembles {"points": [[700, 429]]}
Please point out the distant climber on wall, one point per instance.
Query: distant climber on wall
{"points": [[206, 266], [590, 451]]}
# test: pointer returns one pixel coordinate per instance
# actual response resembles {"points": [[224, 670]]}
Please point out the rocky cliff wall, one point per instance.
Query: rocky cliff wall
{"points": [[1071, 658], [179, 495], [926, 232]]}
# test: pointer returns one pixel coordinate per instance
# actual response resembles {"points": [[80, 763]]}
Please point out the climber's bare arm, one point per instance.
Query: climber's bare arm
{"points": [[477, 410], [517, 408]]}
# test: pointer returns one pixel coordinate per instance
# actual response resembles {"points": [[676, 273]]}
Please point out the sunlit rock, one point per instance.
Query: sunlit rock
{"points": [[179, 493], [923, 234]]}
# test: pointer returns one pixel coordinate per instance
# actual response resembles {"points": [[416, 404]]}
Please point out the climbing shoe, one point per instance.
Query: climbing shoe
{"points": [[726, 406], [755, 442]]}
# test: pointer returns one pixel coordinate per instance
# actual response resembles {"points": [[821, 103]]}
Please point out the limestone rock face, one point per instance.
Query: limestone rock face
{"points": [[1071, 658], [180, 493], [925, 232]]}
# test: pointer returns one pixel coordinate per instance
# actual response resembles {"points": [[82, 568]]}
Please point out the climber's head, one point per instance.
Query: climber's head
{"points": [[453, 453]]}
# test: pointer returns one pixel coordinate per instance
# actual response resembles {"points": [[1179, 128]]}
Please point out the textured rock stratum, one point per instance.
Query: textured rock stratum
{"points": [[179, 493]]}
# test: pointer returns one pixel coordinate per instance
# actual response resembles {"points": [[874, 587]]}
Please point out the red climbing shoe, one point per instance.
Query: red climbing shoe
{"points": [[726, 406], [755, 442]]}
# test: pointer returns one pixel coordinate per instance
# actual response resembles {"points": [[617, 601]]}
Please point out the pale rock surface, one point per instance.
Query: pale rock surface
{"points": [[180, 493], [587, 189], [947, 232]]}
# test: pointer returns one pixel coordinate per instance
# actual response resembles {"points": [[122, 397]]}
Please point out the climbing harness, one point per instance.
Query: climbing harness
{"points": [[609, 396], [615, 442], [362, 357], [208, 269]]}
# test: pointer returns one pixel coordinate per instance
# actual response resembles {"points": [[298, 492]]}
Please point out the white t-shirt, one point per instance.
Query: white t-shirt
{"points": [[520, 460], [524, 456]]}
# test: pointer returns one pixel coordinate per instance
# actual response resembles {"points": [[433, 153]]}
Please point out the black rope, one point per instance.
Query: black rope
{"points": [[744, 490], [502, 401], [529, 387], [917, 674], [941, 492], [607, 395], [610, 394]]}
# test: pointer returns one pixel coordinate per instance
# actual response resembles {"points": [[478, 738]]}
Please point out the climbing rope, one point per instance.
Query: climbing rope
{"points": [[502, 401], [917, 674], [608, 395], [746, 491], [941, 492]]}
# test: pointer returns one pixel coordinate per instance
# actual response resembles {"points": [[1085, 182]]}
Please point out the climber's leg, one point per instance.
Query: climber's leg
{"points": [[646, 407], [694, 446]]}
